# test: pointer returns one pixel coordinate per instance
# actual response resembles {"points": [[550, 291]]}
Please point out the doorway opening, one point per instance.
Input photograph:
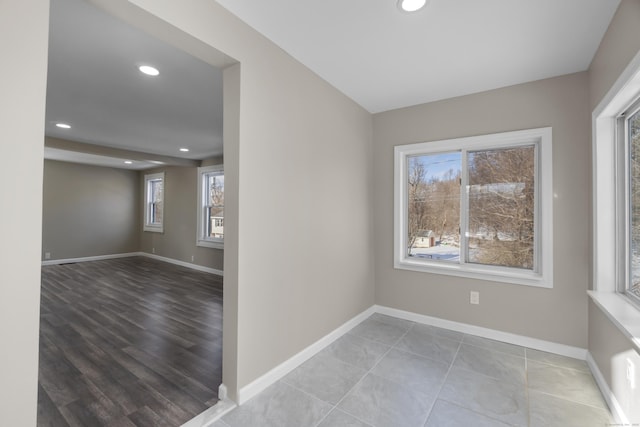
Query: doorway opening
{"points": [[131, 317]]}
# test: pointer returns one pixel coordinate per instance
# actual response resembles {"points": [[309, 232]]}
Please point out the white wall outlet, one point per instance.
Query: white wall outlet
{"points": [[192, 258], [47, 255], [474, 297], [153, 250], [631, 374]]}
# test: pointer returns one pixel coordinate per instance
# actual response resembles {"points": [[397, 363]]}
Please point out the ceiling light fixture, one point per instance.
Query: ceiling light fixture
{"points": [[184, 150], [128, 162], [149, 70], [411, 5], [63, 126]]}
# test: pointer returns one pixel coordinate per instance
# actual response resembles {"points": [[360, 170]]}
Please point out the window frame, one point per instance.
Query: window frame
{"points": [[201, 239], [623, 199], [542, 276], [149, 179]]}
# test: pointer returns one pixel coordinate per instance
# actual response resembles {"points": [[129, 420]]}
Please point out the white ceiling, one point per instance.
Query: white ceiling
{"points": [[380, 57], [95, 86], [385, 59], [97, 160]]}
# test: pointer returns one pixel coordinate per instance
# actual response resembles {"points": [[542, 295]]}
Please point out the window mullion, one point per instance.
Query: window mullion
{"points": [[464, 207], [623, 226]]}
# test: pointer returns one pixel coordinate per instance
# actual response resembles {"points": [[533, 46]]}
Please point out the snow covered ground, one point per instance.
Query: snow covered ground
{"points": [[442, 252]]}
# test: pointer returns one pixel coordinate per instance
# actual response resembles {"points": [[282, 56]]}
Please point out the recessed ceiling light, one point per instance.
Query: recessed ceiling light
{"points": [[148, 70], [411, 5], [63, 125], [184, 150], [128, 162]]}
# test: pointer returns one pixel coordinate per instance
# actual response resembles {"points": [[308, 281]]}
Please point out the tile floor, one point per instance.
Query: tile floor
{"points": [[390, 372]]}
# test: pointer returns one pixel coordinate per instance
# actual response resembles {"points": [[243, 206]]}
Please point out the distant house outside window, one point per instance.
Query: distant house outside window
{"points": [[211, 207], [154, 202]]}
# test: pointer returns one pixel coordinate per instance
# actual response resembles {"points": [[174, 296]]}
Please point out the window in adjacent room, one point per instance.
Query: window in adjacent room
{"points": [[476, 207], [154, 202], [211, 207], [629, 199]]}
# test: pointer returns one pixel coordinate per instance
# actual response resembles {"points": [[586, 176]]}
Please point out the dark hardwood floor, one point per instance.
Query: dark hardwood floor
{"points": [[128, 342]]}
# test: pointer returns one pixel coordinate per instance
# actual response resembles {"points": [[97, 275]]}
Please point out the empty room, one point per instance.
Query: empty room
{"points": [[133, 227], [430, 218]]}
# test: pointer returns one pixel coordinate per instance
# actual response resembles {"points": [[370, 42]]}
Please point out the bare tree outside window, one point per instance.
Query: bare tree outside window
{"points": [[156, 201], [634, 202], [434, 206], [215, 205], [480, 207], [502, 207]]}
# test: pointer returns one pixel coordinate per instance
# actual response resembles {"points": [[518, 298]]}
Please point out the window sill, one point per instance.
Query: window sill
{"points": [[621, 312], [209, 244], [153, 229], [479, 273]]}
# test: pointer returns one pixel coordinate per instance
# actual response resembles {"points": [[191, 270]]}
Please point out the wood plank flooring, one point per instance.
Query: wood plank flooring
{"points": [[128, 342]]}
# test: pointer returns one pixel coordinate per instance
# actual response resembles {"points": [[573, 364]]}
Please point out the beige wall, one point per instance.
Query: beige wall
{"points": [[619, 45], [612, 352], [23, 43], [300, 262], [300, 157], [89, 210], [609, 348], [178, 241], [558, 314]]}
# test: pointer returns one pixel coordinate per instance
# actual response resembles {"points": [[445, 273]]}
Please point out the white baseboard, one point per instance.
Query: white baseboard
{"points": [[182, 263], [261, 383], [537, 344], [211, 415], [615, 408], [89, 258], [132, 254]]}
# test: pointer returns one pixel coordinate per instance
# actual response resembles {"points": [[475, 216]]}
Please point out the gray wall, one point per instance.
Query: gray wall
{"points": [[619, 45], [24, 27], [611, 351], [92, 210], [288, 289], [178, 241], [609, 348], [559, 314], [89, 210], [300, 263]]}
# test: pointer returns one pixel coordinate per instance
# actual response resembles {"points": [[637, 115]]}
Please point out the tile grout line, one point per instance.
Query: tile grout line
{"points": [[444, 380], [526, 386], [367, 373], [550, 394]]}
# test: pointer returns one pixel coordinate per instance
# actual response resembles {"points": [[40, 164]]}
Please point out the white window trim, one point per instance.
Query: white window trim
{"points": [[155, 228], [607, 246], [201, 240], [615, 306], [543, 277]]}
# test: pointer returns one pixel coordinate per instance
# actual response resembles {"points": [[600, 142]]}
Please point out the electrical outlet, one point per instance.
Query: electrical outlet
{"points": [[153, 250], [631, 374], [47, 255], [192, 258], [474, 297]]}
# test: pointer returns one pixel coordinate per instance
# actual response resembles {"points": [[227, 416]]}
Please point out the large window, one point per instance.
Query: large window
{"points": [[154, 202], [210, 207], [629, 202], [477, 207]]}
